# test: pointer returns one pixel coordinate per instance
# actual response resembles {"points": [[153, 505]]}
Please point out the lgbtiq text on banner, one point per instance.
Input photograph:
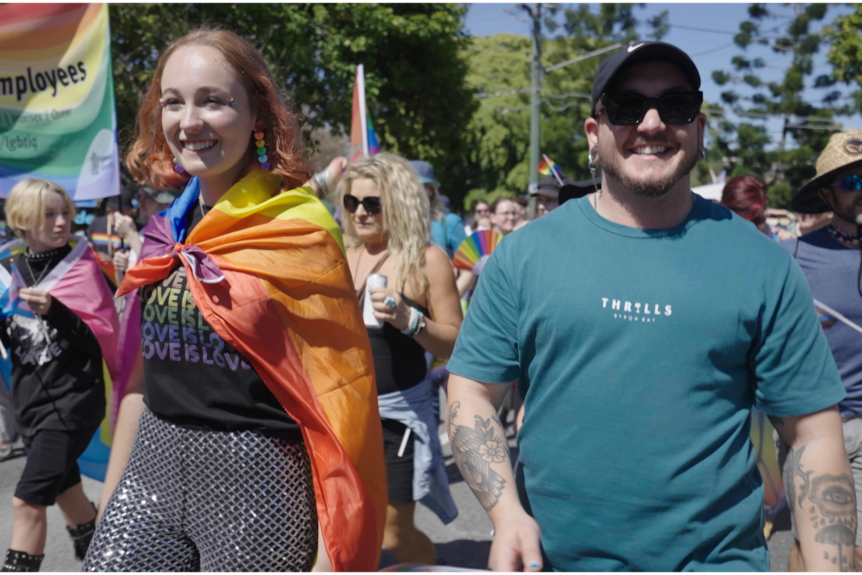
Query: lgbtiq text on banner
{"points": [[57, 114]]}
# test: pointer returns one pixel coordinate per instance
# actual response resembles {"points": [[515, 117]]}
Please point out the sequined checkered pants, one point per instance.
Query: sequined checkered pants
{"points": [[193, 500]]}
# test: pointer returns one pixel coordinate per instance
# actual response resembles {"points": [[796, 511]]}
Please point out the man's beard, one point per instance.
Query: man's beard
{"points": [[646, 189]]}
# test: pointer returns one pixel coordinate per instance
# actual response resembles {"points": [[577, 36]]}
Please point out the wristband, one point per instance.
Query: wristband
{"points": [[421, 325], [322, 181], [414, 320]]}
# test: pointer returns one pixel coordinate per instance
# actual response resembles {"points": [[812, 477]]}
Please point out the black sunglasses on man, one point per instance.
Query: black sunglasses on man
{"points": [[629, 109]]}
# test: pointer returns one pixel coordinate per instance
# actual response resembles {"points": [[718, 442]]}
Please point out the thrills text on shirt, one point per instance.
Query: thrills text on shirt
{"points": [[173, 329], [636, 311]]}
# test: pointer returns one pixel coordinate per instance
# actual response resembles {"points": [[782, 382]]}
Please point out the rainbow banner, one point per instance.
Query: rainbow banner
{"points": [[77, 282], [363, 137], [547, 166], [57, 115], [268, 274]]}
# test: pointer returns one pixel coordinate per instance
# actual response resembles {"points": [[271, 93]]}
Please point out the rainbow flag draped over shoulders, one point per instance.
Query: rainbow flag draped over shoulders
{"points": [[77, 282], [267, 271]]}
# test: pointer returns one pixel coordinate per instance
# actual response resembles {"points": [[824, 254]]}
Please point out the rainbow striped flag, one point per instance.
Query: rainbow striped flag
{"points": [[547, 165], [267, 271], [57, 113], [78, 283], [363, 137]]}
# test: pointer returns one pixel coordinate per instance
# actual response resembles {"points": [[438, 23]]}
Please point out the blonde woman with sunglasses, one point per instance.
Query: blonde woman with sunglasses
{"points": [[387, 222]]}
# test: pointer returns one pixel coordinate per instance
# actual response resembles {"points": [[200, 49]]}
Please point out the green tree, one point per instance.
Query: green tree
{"points": [[411, 52], [499, 71], [845, 54], [805, 126]]}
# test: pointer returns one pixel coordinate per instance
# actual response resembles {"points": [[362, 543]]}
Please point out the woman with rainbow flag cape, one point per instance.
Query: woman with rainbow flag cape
{"points": [[60, 329], [259, 420]]}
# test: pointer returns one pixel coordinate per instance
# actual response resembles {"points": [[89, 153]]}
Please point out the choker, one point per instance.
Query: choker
{"points": [[42, 255], [842, 236]]}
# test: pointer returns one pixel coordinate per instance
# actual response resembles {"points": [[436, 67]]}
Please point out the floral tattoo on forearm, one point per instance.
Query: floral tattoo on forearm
{"points": [[828, 502], [475, 449]]}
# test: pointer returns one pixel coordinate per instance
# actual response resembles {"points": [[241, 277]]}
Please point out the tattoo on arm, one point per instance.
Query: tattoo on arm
{"points": [[475, 449], [828, 502]]}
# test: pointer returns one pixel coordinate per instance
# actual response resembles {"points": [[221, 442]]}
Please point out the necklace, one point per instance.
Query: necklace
{"points": [[32, 275], [842, 236], [359, 259], [201, 204]]}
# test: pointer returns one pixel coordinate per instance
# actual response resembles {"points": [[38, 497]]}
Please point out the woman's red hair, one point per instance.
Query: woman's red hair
{"points": [[150, 160], [746, 195]]}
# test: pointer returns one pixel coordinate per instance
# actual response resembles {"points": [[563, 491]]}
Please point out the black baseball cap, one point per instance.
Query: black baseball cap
{"points": [[639, 52]]}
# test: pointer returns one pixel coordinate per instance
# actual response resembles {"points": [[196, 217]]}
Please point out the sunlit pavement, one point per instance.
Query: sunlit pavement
{"points": [[463, 543]]}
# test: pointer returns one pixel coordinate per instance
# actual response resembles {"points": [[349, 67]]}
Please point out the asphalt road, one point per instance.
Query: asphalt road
{"points": [[463, 543]]}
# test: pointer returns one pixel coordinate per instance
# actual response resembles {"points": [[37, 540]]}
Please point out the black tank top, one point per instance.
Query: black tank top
{"points": [[399, 360]]}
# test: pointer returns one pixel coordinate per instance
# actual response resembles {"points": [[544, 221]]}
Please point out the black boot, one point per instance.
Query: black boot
{"points": [[81, 536], [20, 562]]}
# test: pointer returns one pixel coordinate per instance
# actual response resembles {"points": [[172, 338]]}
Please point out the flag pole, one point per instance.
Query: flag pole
{"points": [[553, 171], [360, 79]]}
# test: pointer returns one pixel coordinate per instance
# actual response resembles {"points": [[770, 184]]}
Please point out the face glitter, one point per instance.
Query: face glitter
{"points": [[162, 102], [231, 103]]}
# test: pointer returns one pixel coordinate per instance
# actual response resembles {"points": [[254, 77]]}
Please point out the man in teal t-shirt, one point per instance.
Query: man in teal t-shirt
{"points": [[642, 325]]}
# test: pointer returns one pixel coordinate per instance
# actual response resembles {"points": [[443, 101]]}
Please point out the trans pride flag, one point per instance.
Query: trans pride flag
{"points": [[78, 283], [363, 137], [268, 273]]}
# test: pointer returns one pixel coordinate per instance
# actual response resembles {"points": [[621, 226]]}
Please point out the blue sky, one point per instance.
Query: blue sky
{"points": [[711, 46]]}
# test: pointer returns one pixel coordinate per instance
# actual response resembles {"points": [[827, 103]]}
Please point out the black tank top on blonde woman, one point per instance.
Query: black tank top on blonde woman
{"points": [[399, 361]]}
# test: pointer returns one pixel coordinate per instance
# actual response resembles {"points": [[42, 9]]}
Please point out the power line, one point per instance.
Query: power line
{"points": [[567, 95], [766, 116], [759, 35], [483, 95], [584, 57]]}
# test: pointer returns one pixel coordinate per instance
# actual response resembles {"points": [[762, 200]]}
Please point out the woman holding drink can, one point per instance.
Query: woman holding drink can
{"points": [[407, 288]]}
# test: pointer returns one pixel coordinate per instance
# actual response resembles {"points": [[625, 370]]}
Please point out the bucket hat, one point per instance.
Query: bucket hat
{"points": [[843, 150], [425, 172]]}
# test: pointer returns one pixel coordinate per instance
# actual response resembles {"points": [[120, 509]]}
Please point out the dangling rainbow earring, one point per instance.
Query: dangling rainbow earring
{"points": [[261, 151], [177, 167]]}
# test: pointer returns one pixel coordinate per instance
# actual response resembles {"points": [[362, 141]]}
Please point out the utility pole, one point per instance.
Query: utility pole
{"points": [[535, 103], [535, 13]]}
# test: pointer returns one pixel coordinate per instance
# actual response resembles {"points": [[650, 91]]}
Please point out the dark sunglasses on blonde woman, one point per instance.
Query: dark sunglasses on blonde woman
{"points": [[371, 204]]}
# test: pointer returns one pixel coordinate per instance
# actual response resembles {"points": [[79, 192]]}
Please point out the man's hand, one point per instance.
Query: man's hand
{"points": [[121, 261], [516, 545], [38, 300], [818, 484], [481, 451], [124, 226]]}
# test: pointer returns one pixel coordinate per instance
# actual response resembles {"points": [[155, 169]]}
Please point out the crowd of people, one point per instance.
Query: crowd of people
{"points": [[275, 404]]}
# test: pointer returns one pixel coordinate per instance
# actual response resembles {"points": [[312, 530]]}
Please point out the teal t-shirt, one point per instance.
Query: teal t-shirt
{"points": [[640, 354]]}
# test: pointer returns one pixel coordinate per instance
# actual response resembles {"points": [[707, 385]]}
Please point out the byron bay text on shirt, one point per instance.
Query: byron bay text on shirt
{"points": [[643, 312], [173, 329]]}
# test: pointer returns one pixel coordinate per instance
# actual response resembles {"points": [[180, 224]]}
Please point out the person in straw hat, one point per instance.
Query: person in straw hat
{"points": [[831, 261]]}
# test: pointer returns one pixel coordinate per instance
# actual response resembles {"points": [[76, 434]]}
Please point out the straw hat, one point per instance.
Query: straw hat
{"points": [[844, 149]]}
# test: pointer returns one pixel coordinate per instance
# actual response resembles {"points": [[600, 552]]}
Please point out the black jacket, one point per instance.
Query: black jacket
{"points": [[57, 373]]}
